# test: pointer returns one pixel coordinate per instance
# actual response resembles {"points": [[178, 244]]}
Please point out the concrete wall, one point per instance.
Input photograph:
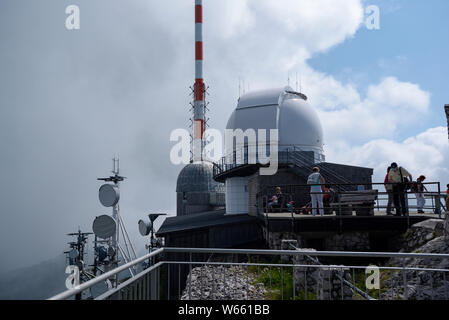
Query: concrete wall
{"points": [[196, 202], [237, 195]]}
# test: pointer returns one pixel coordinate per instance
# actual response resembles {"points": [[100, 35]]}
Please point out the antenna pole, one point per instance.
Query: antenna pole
{"points": [[199, 87], [240, 89], [296, 81]]}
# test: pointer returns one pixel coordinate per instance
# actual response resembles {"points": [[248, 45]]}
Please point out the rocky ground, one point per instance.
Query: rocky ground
{"points": [[431, 236], [223, 283], [425, 237]]}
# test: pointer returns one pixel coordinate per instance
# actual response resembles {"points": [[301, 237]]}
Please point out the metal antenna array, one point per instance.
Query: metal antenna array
{"points": [[75, 256], [146, 227], [108, 228]]}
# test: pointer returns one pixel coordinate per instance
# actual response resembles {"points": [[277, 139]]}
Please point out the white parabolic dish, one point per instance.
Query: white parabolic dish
{"points": [[104, 226], [109, 195], [144, 227]]}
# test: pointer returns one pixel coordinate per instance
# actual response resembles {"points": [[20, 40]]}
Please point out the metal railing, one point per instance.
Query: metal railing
{"points": [[277, 274], [301, 196], [291, 155]]}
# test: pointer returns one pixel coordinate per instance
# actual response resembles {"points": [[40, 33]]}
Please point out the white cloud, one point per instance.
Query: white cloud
{"points": [[392, 94], [388, 107], [318, 24], [426, 153]]}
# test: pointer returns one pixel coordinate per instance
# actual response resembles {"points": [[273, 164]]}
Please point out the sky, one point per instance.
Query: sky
{"points": [[71, 100]]}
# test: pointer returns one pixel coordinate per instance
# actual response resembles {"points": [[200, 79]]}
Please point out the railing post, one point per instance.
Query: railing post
{"points": [[190, 277], [404, 277], [438, 202], [168, 281], [153, 284], [293, 279]]}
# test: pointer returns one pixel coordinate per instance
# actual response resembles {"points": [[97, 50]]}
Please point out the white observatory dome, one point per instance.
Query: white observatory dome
{"points": [[285, 110], [299, 130]]}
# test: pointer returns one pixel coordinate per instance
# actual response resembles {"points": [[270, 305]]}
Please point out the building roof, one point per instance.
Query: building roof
{"points": [[201, 220], [197, 177]]}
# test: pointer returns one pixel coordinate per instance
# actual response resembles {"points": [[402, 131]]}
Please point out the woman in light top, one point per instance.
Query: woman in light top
{"points": [[316, 182]]}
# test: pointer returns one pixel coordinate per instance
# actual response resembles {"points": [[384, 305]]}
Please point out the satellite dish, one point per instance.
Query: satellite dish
{"points": [[145, 227], [73, 254], [109, 195], [104, 226]]}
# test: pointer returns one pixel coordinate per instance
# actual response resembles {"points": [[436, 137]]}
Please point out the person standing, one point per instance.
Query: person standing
{"points": [[316, 181], [389, 189], [396, 176], [419, 189]]}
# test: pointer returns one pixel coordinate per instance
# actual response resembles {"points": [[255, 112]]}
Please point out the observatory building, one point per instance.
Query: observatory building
{"points": [[197, 191], [299, 132], [205, 220], [222, 204]]}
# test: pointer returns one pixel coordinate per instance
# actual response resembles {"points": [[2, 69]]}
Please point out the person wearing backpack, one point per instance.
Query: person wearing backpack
{"points": [[316, 181], [397, 176], [418, 188]]}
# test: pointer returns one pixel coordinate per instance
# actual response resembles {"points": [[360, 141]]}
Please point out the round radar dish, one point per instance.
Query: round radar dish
{"points": [[144, 227], [73, 254], [109, 195], [104, 226]]}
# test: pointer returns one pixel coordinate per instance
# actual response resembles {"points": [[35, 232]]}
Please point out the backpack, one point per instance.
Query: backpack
{"points": [[314, 179], [405, 182], [414, 187]]}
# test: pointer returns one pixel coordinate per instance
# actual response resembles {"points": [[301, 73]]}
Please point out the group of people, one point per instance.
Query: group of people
{"points": [[397, 182]]}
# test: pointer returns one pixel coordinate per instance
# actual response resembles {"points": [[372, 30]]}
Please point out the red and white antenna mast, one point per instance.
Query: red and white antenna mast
{"points": [[199, 90]]}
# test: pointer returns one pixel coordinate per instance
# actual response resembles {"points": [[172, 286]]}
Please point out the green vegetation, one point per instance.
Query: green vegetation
{"points": [[278, 282]]}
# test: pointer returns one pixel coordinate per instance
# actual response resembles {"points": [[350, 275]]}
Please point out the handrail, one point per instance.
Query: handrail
{"points": [[129, 281], [86, 285], [310, 253]]}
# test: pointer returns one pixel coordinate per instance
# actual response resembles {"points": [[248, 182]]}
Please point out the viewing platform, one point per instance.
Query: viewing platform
{"points": [[380, 221]]}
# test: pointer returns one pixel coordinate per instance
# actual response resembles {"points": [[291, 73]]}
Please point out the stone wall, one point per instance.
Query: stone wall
{"points": [[316, 283], [274, 239], [349, 241]]}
